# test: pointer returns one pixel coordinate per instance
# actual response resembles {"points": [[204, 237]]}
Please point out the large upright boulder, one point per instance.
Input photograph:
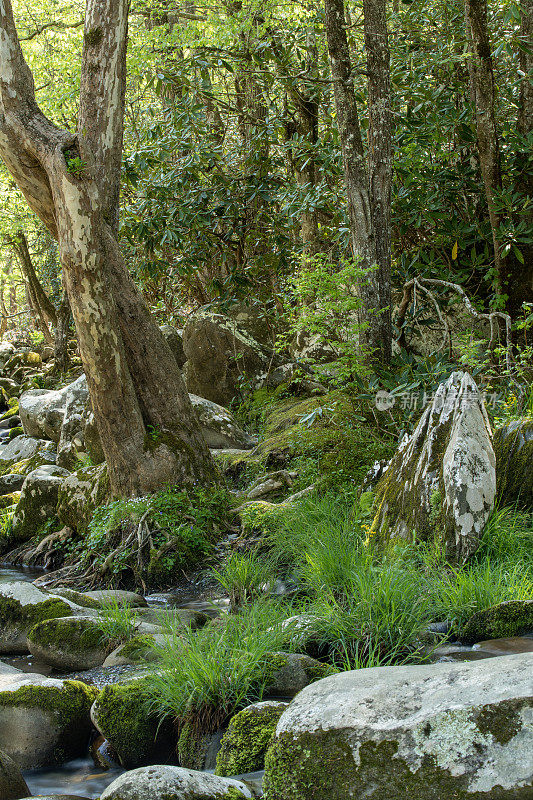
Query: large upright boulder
{"points": [[219, 427], [513, 445], [442, 481], [460, 730], [38, 500], [22, 606], [221, 355], [71, 438], [42, 411], [12, 784]]}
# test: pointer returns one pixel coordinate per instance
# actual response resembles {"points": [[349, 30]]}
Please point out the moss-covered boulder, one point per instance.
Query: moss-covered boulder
{"points": [[289, 673], [22, 606], [137, 650], [79, 494], [513, 445], [174, 783], [69, 643], [460, 730], [137, 736], [21, 450], [245, 743], [219, 426], [441, 483], [513, 618], [37, 502], [43, 721], [12, 784]]}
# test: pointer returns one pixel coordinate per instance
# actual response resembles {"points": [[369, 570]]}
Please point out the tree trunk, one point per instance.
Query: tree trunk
{"points": [[61, 356], [375, 332], [149, 431], [482, 90], [380, 155], [38, 299]]}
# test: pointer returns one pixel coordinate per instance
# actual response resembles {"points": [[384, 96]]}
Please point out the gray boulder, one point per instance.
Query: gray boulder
{"points": [[174, 339], [513, 445], [220, 355], [42, 411], [22, 448], [71, 436], [22, 606], [12, 784], [11, 483], [79, 494], [7, 349], [219, 427], [43, 721], [442, 481], [512, 618], [289, 673], [38, 500], [434, 731], [174, 783]]}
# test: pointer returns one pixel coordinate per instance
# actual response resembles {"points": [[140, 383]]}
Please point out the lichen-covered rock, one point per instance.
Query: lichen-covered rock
{"points": [[79, 494], [245, 743], [23, 449], [71, 436], [12, 784], [10, 483], [289, 673], [42, 412], [460, 730], [43, 721], [38, 500], [512, 618], [219, 426], [220, 353], [174, 783], [442, 481], [137, 737], [22, 606], [513, 445]]}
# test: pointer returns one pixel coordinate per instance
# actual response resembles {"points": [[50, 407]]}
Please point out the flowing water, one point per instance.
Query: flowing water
{"points": [[80, 778]]}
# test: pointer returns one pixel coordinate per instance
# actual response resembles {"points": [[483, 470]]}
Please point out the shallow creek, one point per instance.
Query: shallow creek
{"points": [[83, 778]]}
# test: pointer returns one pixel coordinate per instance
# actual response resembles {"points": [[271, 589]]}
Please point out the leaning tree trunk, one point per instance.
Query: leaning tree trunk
{"points": [[149, 431], [39, 300], [375, 330], [380, 155], [483, 93]]}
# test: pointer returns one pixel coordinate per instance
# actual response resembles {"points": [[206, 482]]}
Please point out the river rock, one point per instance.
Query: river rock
{"points": [[22, 606], [174, 783], [220, 355], [138, 650], [219, 427], [433, 731], [442, 481], [137, 737], [513, 445], [6, 351], [12, 784], [38, 500], [79, 494], [245, 743], [119, 597], [512, 618], [10, 483], [43, 721], [25, 448], [289, 673]]}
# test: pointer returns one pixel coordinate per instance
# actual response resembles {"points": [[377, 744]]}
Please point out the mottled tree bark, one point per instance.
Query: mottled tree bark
{"points": [[149, 431], [380, 154], [39, 300], [375, 333], [482, 90], [61, 335]]}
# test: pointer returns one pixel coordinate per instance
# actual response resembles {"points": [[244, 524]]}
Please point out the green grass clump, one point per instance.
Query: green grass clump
{"points": [[117, 622], [244, 576]]}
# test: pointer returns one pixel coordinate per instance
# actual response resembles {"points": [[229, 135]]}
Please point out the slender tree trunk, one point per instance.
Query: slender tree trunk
{"points": [[61, 356], [375, 333], [380, 155], [482, 90], [38, 299], [149, 431]]}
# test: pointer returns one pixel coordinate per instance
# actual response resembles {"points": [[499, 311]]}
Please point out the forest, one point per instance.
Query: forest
{"points": [[266, 399]]}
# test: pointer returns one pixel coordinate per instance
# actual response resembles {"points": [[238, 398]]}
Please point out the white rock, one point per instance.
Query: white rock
{"points": [[173, 783]]}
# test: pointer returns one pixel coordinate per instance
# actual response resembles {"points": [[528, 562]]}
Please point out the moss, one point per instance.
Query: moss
{"points": [[136, 648], [12, 411], [192, 745], [80, 495], [8, 500], [245, 743], [512, 618], [321, 766], [79, 598], [13, 613], [503, 721], [72, 700], [123, 718], [94, 36], [513, 447], [18, 431], [314, 670], [74, 636]]}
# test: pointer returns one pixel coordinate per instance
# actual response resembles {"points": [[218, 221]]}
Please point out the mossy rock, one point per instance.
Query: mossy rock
{"points": [[22, 606], [137, 736], [245, 743], [80, 494], [289, 673], [512, 618], [137, 650], [9, 500], [513, 446], [164, 782], [12, 784], [43, 721], [69, 643]]}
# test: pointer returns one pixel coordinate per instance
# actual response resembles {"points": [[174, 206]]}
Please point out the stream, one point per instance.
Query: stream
{"points": [[83, 778]]}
